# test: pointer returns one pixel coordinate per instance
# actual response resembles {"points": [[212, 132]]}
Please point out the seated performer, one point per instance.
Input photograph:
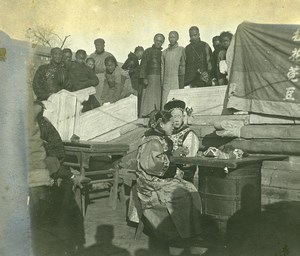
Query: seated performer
{"points": [[170, 205], [183, 136]]}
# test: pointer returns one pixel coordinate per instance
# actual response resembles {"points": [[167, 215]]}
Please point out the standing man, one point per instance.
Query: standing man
{"points": [[51, 78], [173, 66], [100, 55], [81, 75], [150, 72], [198, 60], [226, 38], [67, 56], [214, 60], [132, 64]]}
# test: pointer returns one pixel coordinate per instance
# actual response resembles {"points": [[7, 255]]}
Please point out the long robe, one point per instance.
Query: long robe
{"points": [[172, 206], [151, 69], [173, 69], [198, 58]]}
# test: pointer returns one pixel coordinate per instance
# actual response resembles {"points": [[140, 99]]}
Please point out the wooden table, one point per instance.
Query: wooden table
{"points": [[227, 186], [223, 163], [84, 150]]}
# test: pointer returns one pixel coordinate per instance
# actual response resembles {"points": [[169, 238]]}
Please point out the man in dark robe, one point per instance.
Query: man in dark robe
{"points": [[82, 76], [217, 47], [51, 78], [150, 72], [198, 61], [133, 66]]}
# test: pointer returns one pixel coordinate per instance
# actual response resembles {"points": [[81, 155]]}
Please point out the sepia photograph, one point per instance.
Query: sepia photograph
{"points": [[150, 128]]}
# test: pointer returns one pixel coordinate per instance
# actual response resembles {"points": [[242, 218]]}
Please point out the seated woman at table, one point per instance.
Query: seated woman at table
{"points": [[117, 84], [183, 136], [171, 205]]}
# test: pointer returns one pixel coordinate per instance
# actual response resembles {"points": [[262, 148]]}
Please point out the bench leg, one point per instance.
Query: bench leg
{"points": [[139, 230], [113, 197]]}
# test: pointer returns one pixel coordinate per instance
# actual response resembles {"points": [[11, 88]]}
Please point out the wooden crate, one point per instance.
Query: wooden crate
{"points": [[280, 182], [204, 100], [63, 109]]}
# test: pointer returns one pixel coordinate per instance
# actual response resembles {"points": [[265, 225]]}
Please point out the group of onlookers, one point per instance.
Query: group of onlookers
{"points": [[149, 74]]}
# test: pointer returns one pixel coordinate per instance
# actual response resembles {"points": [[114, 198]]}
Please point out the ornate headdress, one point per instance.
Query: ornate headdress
{"points": [[175, 104]]}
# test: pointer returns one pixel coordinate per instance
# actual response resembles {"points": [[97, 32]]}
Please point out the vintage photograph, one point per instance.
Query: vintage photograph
{"points": [[150, 128]]}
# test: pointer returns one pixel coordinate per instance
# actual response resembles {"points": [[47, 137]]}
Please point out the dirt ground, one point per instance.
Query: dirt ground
{"points": [[108, 233], [274, 232], [102, 223]]}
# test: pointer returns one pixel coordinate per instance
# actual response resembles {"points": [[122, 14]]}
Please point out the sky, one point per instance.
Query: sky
{"points": [[125, 24]]}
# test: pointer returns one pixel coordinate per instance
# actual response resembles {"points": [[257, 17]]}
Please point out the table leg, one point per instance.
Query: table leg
{"points": [[114, 191]]}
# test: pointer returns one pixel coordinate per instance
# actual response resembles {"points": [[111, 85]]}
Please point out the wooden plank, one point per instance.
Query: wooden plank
{"points": [[267, 146], [212, 119], [115, 133], [108, 136], [204, 101], [268, 119], [96, 146], [271, 195], [106, 118], [281, 165], [280, 179], [271, 131]]}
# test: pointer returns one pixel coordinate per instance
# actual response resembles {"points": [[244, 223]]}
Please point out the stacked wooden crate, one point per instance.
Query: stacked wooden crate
{"points": [[104, 123]]}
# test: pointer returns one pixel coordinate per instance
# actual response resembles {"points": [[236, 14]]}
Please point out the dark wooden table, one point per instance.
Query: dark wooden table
{"points": [[84, 150], [223, 163], [226, 186]]}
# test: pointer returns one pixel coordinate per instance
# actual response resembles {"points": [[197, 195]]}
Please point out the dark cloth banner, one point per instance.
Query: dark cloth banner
{"points": [[265, 71]]}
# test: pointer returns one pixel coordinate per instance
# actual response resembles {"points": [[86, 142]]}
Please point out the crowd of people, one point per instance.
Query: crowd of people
{"points": [[149, 74], [170, 202]]}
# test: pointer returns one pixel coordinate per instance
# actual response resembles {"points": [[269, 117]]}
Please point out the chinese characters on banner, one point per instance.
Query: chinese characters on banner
{"points": [[294, 71]]}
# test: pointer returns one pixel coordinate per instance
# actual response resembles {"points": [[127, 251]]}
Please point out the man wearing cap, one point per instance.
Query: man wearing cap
{"points": [[198, 61], [183, 136], [173, 66], [100, 55], [150, 73]]}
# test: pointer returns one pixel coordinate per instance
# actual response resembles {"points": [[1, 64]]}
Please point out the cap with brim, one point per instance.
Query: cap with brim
{"points": [[99, 41], [174, 104]]}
